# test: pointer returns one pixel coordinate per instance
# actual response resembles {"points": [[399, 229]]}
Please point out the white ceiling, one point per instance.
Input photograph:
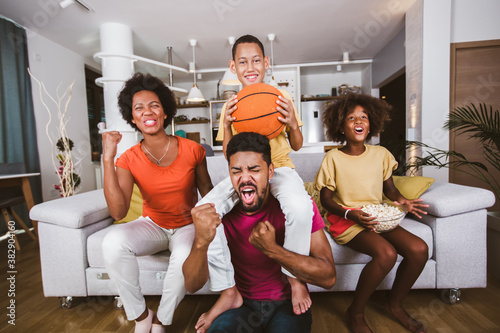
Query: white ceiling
{"points": [[306, 31]]}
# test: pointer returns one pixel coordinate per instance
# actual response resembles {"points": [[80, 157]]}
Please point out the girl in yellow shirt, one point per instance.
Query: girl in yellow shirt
{"points": [[355, 175]]}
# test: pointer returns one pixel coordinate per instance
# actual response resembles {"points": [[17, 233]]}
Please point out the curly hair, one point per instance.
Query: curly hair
{"points": [[335, 114], [139, 82], [249, 142]]}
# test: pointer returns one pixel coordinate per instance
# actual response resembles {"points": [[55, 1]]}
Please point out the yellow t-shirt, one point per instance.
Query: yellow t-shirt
{"points": [[356, 180], [280, 148]]}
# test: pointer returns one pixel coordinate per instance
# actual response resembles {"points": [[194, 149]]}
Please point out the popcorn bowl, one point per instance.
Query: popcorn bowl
{"points": [[388, 217]]}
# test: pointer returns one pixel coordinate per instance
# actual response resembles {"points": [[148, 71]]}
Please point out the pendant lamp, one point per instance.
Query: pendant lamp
{"points": [[345, 57], [195, 94], [230, 78], [273, 82]]}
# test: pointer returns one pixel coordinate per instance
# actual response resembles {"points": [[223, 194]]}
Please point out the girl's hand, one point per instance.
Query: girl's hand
{"points": [[230, 108], [285, 107], [363, 219], [412, 206]]}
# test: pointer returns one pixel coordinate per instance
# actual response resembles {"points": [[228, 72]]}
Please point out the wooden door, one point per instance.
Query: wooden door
{"points": [[475, 78]]}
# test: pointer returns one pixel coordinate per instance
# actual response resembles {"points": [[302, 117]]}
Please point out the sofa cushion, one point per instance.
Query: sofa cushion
{"points": [[218, 168], [314, 194], [341, 254], [345, 255], [135, 209], [307, 164], [154, 262], [412, 187]]}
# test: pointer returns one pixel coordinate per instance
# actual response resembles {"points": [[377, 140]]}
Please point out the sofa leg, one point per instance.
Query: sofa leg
{"points": [[118, 303], [66, 302], [451, 296]]}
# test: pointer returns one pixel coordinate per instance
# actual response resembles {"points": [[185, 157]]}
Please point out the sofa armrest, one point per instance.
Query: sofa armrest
{"points": [[447, 199], [459, 249], [74, 212]]}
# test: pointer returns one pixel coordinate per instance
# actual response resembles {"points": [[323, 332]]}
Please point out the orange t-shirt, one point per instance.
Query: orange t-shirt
{"points": [[168, 193]]}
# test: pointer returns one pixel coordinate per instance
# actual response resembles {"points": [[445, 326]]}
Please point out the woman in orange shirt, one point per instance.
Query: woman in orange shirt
{"points": [[168, 171]]}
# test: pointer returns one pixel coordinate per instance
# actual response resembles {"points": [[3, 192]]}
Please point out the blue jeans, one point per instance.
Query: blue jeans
{"points": [[262, 316]]}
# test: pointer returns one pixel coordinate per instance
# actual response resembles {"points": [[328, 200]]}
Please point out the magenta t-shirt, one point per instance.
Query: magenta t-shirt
{"points": [[257, 276]]}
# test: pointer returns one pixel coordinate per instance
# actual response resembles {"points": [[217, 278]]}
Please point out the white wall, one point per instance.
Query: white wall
{"points": [[390, 61], [475, 20], [323, 83], [436, 78], [57, 66]]}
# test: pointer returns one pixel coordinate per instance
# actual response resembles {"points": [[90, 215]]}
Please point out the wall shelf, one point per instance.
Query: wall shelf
{"points": [[192, 122], [193, 105], [324, 98]]}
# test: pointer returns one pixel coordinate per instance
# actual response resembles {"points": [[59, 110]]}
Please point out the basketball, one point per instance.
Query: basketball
{"points": [[257, 111]]}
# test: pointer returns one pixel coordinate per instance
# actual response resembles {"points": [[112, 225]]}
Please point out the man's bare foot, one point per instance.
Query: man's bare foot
{"points": [[408, 321], [356, 322], [228, 299], [301, 300]]}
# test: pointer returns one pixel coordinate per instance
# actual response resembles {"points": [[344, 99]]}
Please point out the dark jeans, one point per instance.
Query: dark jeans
{"points": [[262, 316]]}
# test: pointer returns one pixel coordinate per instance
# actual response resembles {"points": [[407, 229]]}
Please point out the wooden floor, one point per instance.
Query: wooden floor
{"points": [[478, 311]]}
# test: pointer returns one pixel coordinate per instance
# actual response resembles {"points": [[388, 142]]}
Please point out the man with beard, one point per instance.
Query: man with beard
{"points": [[255, 231]]}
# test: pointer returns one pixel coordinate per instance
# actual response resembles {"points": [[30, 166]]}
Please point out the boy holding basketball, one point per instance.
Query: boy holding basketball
{"points": [[250, 64]]}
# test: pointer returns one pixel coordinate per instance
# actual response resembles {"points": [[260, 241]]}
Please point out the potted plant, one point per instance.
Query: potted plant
{"points": [[69, 180], [483, 125]]}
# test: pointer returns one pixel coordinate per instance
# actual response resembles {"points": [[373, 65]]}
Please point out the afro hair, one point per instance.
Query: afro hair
{"points": [[336, 114]]}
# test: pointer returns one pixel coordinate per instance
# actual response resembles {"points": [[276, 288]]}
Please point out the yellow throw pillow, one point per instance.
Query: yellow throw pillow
{"points": [[311, 190], [412, 187], [135, 209]]}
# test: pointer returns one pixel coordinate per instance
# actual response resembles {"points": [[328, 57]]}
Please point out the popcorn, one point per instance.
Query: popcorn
{"points": [[388, 216]]}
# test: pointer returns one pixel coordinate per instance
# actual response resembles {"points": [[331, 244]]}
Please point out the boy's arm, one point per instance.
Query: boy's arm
{"points": [[227, 122], [318, 268], [296, 139], [291, 119]]}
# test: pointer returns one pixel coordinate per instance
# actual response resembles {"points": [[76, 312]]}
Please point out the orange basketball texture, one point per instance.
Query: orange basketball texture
{"points": [[257, 111]]}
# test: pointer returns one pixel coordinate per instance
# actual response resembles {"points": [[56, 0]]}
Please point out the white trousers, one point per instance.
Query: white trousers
{"points": [[296, 204], [141, 237]]}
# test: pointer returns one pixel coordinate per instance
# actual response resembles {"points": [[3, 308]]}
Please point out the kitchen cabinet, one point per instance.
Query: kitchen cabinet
{"points": [[194, 119], [202, 118]]}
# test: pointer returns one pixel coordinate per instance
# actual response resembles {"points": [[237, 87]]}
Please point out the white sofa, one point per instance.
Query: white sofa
{"points": [[71, 231]]}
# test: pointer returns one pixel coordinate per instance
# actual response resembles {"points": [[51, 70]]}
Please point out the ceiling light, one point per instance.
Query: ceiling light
{"points": [[271, 39], [346, 56], [230, 78], [66, 3], [195, 94]]}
